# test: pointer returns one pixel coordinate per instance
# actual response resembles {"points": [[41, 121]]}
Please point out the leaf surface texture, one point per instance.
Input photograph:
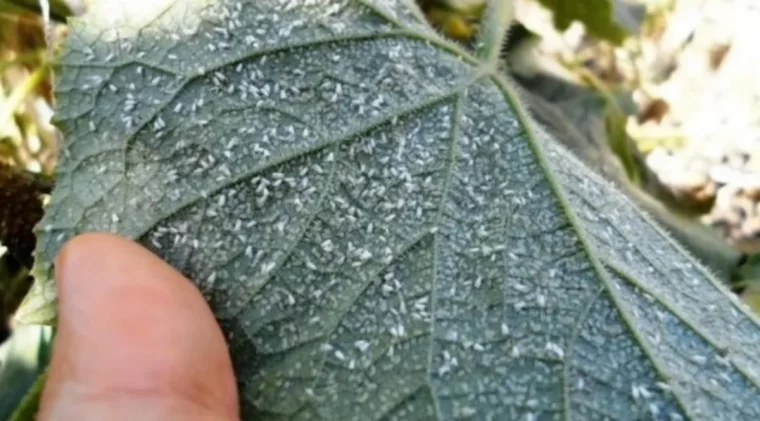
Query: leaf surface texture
{"points": [[381, 231]]}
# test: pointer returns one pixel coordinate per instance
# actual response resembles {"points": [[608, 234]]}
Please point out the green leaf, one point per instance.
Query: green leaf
{"points": [[575, 116], [611, 20], [23, 358], [378, 226], [29, 406], [749, 271]]}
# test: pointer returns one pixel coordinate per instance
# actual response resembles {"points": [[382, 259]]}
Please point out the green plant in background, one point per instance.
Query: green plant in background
{"points": [[27, 147], [615, 124], [457, 19], [611, 20], [381, 229], [27, 139], [59, 9], [23, 359]]}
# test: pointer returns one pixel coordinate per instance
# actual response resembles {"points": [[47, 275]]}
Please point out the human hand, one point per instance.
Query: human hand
{"points": [[136, 340]]}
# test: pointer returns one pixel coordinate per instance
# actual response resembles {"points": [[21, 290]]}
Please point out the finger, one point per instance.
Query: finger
{"points": [[136, 340]]}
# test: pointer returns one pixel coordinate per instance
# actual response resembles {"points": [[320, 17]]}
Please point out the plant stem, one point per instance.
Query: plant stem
{"points": [[495, 22]]}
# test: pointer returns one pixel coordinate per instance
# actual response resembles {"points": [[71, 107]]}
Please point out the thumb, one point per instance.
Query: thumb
{"points": [[135, 340]]}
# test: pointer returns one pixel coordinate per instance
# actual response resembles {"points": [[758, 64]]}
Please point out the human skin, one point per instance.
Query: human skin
{"points": [[136, 340]]}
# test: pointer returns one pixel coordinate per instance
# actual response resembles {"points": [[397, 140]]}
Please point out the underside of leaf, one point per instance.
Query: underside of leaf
{"points": [[379, 228]]}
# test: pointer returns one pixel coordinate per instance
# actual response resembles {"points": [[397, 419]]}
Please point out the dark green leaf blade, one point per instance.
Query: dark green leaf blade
{"points": [[681, 313], [375, 223]]}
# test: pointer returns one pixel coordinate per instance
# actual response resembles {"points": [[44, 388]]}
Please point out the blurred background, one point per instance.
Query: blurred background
{"points": [[659, 96]]}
